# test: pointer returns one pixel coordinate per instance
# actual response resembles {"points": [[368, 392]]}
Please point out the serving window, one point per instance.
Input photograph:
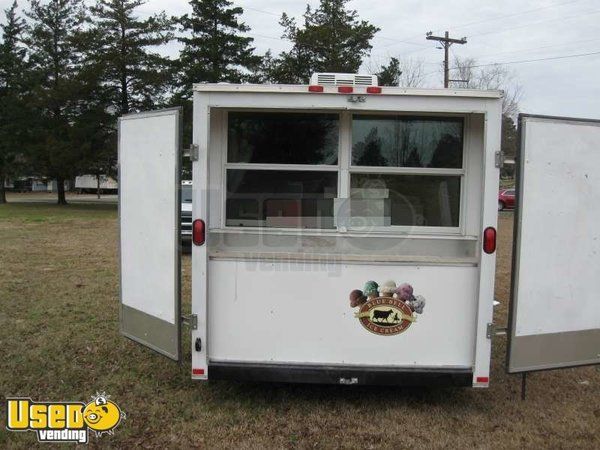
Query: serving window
{"points": [[282, 169], [406, 171], [399, 141], [357, 171], [282, 138], [280, 198], [405, 200]]}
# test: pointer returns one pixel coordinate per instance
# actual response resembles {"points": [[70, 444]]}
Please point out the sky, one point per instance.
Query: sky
{"points": [[514, 32]]}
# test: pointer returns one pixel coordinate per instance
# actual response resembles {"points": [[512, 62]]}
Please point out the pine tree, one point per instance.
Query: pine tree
{"points": [[95, 127], [13, 69], [137, 76], [214, 49], [55, 43], [390, 75], [369, 151], [332, 39]]}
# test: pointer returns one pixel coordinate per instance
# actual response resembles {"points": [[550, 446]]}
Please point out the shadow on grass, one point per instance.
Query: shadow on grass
{"points": [[256, 392]]}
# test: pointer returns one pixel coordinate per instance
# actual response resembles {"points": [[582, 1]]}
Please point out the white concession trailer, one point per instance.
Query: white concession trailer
{"points": [[345, 233]]}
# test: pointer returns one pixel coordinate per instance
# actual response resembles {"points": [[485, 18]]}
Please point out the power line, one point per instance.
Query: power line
{"points": [[395, 40], [586, 14], [464, 25], [399, 41], [487, 55], [446, 42], [535, 49], [535, 60], [264, 36], [279, 38], [506, 16], [524, 61], [260, 11]]}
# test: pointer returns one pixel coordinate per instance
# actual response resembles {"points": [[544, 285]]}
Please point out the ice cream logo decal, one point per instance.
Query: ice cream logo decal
{"points": [[386, 310]]}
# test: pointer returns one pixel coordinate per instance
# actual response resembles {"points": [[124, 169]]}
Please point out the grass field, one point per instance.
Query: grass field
{"points": [[59, 340]]}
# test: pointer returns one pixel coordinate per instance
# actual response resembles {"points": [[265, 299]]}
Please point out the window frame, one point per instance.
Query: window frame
{"points": [[226, 165], [424, 171], [344, 169]]}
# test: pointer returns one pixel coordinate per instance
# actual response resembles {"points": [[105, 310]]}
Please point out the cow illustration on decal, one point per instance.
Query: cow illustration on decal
{"points": [[386, 310]]}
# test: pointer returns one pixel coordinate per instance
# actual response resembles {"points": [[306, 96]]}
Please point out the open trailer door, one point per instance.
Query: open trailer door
{"points": [[149, 211], [555, 301]]}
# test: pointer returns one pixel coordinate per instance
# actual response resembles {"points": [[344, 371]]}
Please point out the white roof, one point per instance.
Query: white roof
{"points": [[386, 90]]}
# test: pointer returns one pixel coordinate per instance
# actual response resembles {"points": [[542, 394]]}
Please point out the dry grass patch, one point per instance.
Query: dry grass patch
{"points": [[59, 340]]}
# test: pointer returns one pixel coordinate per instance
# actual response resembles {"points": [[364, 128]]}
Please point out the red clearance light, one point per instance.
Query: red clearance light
{"points": [[489, 240], [197, 371], [315, 88], [345, 89], [482, 379], [373, 90], [198, 232]]}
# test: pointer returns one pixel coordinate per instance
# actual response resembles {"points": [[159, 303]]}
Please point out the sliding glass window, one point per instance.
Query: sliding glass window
{"points": [[398, 141], [282, 138], [282, 169], [406, 171]]}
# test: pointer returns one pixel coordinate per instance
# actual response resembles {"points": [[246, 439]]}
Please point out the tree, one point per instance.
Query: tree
{"points": [[136, 76], [390, 75], [55, 43], [490, 76], [412, 73], [369, 151], [94, 128], [400, 72], [13, 74], [495, 76], [213, 48], [332, 39], [213, 51], [405, 72]]}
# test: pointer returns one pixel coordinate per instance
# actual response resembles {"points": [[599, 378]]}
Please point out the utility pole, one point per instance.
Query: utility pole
{"points": [[446, 42]]}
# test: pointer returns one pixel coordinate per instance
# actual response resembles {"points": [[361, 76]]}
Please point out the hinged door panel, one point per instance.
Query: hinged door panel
{"points": [[555, 305], [149, 213]]}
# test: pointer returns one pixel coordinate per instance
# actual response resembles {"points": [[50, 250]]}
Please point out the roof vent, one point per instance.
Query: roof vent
{"points": [[343, 79]]}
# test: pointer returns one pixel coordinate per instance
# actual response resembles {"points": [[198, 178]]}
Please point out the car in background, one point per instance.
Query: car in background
{"points": [[506, 199], [186, 213]]}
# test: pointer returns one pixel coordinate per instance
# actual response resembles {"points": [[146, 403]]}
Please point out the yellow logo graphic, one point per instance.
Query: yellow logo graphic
{"points": [[102, 415], [64, 421]]}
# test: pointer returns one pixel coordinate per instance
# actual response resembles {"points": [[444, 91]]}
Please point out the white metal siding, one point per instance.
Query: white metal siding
{"points": [[302, 314], [299, 312]]}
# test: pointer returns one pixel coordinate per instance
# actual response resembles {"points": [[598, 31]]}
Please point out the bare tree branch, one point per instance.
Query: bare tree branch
{"points": [[405, 72], [413, 73], [495, 76]]}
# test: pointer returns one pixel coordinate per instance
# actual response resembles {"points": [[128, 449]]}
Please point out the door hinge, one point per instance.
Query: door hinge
{"points": [[193, 152], [499, 159], [489, 333], [191, 321]]}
